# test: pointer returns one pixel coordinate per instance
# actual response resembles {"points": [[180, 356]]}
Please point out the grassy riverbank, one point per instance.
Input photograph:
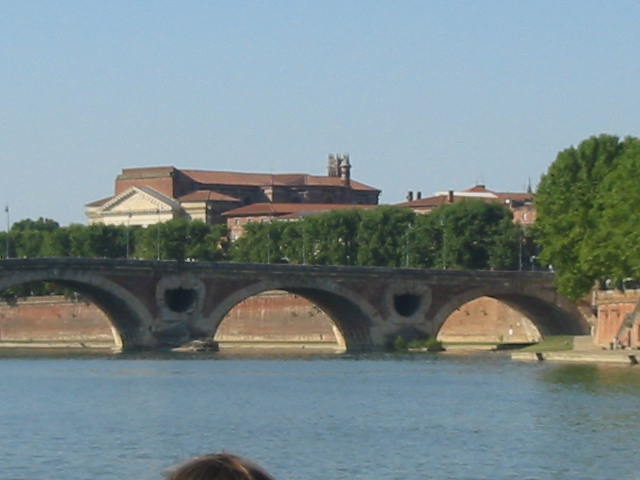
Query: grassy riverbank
{"points": [[555, 343]]}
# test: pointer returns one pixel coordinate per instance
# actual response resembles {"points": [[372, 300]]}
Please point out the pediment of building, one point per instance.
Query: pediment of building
{"points": [[139, 199]]}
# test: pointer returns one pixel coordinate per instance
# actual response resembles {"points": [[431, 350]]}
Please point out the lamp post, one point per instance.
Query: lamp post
{"points": [[158, 236], [7, 240], [520, 249], [127, 234], [444, 244], [304, 258], [268, 244], [408, 244]]}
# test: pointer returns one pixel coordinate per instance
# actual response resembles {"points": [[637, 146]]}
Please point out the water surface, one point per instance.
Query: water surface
{"points": [[343, 417]]}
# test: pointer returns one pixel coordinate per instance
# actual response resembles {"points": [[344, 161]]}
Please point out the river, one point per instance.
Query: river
{"points": [[367, 417]]}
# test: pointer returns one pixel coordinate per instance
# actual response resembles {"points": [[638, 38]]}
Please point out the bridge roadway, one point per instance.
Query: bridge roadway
{"points": [[164, 304]]}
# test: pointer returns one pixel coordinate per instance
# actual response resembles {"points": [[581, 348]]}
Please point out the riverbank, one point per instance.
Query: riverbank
{"points": [[623, 357], [580, 350]]}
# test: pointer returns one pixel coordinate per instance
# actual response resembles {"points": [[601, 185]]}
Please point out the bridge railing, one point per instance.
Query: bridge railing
{"points": [[174, 265]]}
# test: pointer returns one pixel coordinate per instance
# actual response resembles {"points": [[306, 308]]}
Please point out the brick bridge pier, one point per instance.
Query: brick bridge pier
{"points": [[164, 304]]}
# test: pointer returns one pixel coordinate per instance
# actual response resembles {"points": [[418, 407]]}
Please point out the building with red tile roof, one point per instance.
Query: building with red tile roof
{"points": [[520, 203], [148, 195]]}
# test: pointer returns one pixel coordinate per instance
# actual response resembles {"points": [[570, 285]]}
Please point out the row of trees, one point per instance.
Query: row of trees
{"points": [[177, 240], [589, 214], [470, 234]]}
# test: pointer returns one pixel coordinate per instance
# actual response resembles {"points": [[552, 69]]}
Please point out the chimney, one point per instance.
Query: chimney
{"points": [[450, 196], [344, 168], [418, 195], [332, 167], [409, 196]]}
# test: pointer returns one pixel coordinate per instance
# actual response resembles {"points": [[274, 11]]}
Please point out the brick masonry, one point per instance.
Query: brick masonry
{"points": [[272, 317], [54, 320], [613, 308], [486, 320]]}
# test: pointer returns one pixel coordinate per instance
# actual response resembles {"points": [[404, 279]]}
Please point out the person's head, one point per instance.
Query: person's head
{"points": [[220, 466]]}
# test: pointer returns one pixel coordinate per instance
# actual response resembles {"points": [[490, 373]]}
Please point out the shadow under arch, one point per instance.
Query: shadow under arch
{"points": [[551, 316], [127, 315], [350, 313]]}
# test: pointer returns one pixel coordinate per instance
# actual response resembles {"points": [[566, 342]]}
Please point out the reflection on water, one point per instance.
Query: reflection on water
{"points": [[596, 378], [362, 417]]}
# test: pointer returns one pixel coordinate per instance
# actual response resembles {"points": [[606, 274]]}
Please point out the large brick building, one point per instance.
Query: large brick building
{"points": [[148, 195]]}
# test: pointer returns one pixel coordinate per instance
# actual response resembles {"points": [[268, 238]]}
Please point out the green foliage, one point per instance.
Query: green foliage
{"points": [[41, 225], [106, 241], [3, 245], [27, 243], [473, 234], [381, 236], [587, 222], [10, 295], [178, 240], [260, 243], [327, 239], [400, 344], [613, 250], [431, 344], [470, 234], [553, 343], [332, 238], [57, 243], [206, 242]]}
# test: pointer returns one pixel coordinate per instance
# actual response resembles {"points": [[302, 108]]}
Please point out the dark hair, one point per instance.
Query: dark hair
{"points": [[219, 466]]}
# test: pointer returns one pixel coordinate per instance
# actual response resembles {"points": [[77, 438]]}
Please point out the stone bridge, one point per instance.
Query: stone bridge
{"points": [[163, 304]]}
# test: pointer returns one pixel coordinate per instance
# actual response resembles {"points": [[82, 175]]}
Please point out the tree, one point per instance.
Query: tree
{"points": [[179, 239], [382, 236], [27, 237], [425, 241], [78, 241], [28, 243], [4, 238], [41, 225], [206, 242], [57, 243], [612, 252], [471, 234], [332, 238], [571, 201], [108, 241]]}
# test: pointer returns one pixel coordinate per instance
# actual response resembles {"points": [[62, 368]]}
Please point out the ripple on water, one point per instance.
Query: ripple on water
{"points": [[351, 417]]}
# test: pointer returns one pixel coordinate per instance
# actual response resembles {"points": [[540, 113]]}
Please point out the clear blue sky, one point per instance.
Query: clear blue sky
{"points": [[424, 95]]}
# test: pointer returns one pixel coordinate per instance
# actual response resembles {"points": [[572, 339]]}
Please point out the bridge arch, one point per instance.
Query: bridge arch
{"points": [[128, 316], [351, 313], [549, 312]]}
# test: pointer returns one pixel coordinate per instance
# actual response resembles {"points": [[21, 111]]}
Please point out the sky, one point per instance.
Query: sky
{"points": [[423, 95]]}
